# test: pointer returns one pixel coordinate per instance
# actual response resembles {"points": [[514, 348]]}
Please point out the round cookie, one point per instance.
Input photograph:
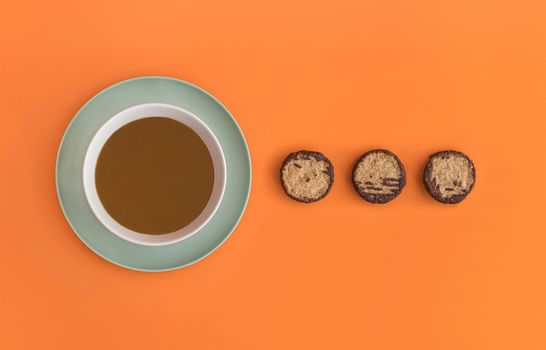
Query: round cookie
{"points": [[449, 176], [379, 176], [307, 176]]}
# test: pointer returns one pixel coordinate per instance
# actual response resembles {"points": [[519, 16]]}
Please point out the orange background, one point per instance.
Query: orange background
{"points": [[340, 77]]}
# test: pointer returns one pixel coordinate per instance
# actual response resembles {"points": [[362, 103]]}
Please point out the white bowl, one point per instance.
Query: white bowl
{"points": [[143, 111]]}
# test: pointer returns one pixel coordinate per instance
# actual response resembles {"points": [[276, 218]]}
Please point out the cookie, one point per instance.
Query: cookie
{"points": [[307, 176], [449, 176], [379, 176]]}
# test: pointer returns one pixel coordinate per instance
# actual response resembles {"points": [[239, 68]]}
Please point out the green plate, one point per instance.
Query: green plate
{"points": [[69, 176]]}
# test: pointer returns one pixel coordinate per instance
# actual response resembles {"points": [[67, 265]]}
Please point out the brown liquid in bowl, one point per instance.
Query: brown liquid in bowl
{"points": [[154, 175]]}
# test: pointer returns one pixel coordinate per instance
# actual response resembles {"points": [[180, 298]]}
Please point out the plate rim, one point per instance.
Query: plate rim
{"points": [[245, 199]]}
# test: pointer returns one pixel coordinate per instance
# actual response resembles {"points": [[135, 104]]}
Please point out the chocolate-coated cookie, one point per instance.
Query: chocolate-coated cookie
{"points": [[307, 176], [379, 176], [449, 176]]}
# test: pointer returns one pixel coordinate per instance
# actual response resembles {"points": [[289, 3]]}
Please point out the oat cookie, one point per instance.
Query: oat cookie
{"points": [[307, 176], [449, 176], [379, 176]]}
